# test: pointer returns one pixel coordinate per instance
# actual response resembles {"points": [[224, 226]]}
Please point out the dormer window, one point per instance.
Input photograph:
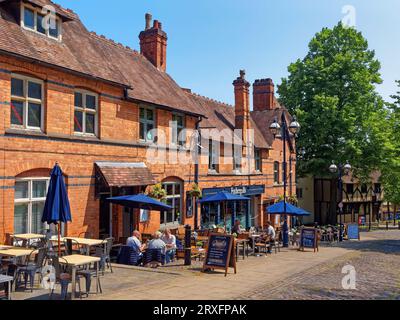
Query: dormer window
{"points": [[38, 21]]}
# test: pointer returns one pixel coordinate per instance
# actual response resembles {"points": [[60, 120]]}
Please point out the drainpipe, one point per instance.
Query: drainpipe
{"points": [[196, 171]]}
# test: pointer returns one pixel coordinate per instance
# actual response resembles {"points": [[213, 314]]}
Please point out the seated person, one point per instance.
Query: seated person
{"points": [[270, 235], [170, 243], [157, 243], [236, 228], [135, 243]]}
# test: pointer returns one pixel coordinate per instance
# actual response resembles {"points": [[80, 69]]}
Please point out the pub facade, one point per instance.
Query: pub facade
{"points": [[98, 108]]}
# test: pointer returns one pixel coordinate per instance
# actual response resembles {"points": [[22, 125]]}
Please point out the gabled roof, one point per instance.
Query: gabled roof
{"points": [[93, 55]]}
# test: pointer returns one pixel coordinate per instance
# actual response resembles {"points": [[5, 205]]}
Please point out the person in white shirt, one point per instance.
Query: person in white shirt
{"points": [[170, 242], [271, 235]]}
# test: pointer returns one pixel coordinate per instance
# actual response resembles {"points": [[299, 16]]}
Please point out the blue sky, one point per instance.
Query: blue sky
{"points": [[210, 40]]}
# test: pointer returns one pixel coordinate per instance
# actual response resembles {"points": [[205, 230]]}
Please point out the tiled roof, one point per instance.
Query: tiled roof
{"points": [[94, 55], [264, 119], [119, 174], [222, 116]]}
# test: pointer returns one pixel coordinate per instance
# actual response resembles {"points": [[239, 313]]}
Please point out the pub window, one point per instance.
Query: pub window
{"points": [[173, 199], [212, 156], [276, 172], [147, 124], [257, 159], [237, 159], [34, 20], [85, 116], [178, 130], [26, 102], [29, 200], [377, 188], [364, 188]]}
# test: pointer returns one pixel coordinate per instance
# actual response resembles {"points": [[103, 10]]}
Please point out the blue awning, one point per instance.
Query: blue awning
{"points": [[140, 201], [291, 210], [223, 196]]}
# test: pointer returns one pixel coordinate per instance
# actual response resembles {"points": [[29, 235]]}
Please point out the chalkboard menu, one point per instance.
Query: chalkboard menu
{"points": [[220, 253], [353, 232], [309, 239]]}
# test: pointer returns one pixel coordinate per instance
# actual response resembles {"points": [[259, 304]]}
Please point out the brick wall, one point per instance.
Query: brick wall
{"points": [[35, 154]]}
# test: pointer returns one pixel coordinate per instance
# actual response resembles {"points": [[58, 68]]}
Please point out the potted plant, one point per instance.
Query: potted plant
{"points": [[195, 192], [157, 192]]}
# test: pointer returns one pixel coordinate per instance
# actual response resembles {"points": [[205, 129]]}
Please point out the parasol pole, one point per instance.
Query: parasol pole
{"points": [[59, 239]]}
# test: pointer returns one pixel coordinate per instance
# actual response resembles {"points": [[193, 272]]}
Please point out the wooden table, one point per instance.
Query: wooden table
{"points": [[16, 252], [78, 260], [8, 280], [83, 241]]}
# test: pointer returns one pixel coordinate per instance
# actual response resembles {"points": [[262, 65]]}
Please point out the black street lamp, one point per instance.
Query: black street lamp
{"points": [[340, 170], [294, 129]]}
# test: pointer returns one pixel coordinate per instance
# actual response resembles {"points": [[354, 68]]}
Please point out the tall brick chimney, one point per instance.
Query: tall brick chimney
{"points": [[263, 94], [242, 102], [153, 43]]}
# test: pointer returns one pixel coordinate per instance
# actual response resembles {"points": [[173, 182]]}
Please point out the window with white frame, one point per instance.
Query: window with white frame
{"points": [[276, 172], [173, 199], [147, 124], [258, 160], [237, 158], [213, 157], [44, 23], [29, 199], [26, 102], [178, 127], [86, 110]]}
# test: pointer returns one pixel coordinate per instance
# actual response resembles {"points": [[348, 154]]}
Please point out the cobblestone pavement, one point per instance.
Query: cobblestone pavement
{"points": [[376, 262], [288, 275]]}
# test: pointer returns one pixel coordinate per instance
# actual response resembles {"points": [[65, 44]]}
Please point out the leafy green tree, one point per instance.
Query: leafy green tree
{"points": [[333, 93], [391, 171]]}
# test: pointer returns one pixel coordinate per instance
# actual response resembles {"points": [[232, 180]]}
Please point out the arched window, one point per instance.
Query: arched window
{"points": [[174, 188]]}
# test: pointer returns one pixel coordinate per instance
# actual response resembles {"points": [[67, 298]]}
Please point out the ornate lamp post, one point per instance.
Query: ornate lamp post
{"points": [[294, 129], [340, 170]]}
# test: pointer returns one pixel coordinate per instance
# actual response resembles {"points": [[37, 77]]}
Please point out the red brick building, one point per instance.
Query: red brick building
{"points": [[71, 96]]}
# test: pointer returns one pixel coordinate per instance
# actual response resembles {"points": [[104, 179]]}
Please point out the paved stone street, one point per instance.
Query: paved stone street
{"points": [[288, 275]]}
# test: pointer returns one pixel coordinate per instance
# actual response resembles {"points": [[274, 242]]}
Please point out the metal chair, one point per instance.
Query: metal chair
{"points": [[104, 253], [31, 269], [63, 277], [128, 256], [154, 258]]}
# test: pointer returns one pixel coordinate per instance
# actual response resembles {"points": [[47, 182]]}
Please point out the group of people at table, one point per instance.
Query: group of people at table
{"points": [[268, 236], [166, 242]]}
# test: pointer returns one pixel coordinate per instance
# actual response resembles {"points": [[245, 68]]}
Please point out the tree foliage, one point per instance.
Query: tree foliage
{"points": [[333, 93], [391, 171]]}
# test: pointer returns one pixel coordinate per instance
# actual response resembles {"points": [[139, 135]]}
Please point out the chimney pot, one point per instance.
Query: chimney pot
{"points": [[148, 18]]}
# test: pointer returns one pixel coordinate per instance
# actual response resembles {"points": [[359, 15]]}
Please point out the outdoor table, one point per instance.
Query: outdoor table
{"points": [[26, 237], [8, 280], [83, 241], [78, 260], [15, 252]]}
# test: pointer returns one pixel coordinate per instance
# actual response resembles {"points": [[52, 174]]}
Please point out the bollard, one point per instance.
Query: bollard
{"points": [[387, 226], [399, 225], [188, 245]]}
